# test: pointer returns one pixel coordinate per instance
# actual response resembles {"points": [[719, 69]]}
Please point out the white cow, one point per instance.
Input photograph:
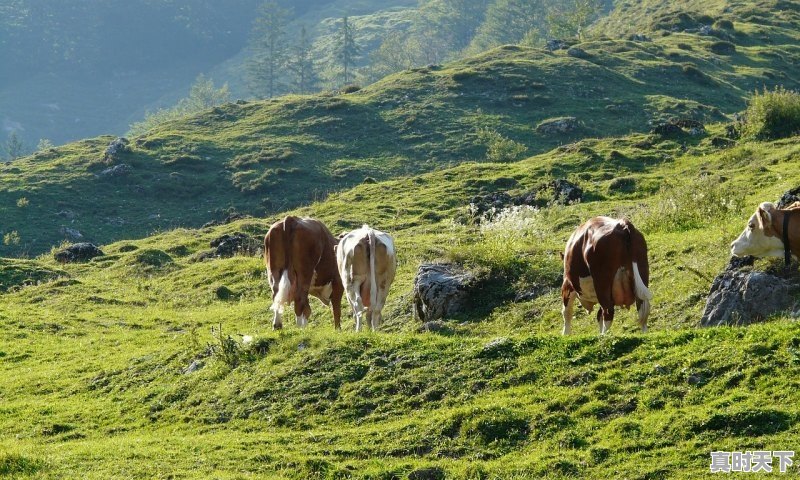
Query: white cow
{"points": [[367, 264]]}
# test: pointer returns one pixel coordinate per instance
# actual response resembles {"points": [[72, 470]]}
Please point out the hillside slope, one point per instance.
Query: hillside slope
{"points": [[498, 394], [240, 156]]}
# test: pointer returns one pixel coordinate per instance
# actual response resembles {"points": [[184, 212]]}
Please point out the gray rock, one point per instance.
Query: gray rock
{"points": [[558, 126], [639, 37], [789, 198], [120, 170], [555, 44], [71, 233], [79, 252], [578, 52], [705, 30], [194, 366], [441, 290], [741, 297], [116, 148]]}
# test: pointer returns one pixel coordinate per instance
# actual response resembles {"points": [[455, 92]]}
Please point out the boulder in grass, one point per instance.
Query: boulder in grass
{"points": [[441, 290], [78, 252]]}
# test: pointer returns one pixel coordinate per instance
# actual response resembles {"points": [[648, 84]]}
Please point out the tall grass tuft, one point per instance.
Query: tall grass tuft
{"points": [[689, 205], [772, 114]]}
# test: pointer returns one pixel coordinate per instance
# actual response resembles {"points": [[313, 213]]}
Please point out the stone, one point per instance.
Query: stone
{"points": [[120, 170], [79, 252], [578, 52], [235, 244], [487, 206], [116, 148], [441, 290], [740, 296], [555, 44], [558, 126], [789, 197], [639, 37], [194, 366], [71, 233], [667, 129]]}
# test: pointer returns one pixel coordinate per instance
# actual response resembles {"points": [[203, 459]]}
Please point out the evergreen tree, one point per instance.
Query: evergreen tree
{"points": [[14, 147], [571, 18], [347, 50], [301, 65], [508, 21], [269, 50]]}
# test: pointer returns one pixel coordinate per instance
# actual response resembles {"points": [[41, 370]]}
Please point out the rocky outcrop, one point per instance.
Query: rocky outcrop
{"points": [[741, 296], [558, 126], [560, 191], [120, 170], [441, 290], [789, 197], [115, 149], [79, 252]]}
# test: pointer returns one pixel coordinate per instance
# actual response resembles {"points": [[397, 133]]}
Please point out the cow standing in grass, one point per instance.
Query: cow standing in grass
{"points": [[367, 265], [771, 232], [605, 262], [301, 261]]}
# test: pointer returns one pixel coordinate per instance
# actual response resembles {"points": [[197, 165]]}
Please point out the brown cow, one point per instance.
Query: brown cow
{"points": [[770, 232], [605, 262], [300, 258]]}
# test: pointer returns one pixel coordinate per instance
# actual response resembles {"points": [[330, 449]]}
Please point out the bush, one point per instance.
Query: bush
{"points": [[772, 114], [687, 205], [500, 148]]}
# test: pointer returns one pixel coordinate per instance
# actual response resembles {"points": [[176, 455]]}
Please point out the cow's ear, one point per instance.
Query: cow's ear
{"points": [[764, 216]]}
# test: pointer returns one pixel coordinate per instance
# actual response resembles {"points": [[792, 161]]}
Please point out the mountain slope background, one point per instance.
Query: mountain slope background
{"points": [[133, 365], [235, 157]]}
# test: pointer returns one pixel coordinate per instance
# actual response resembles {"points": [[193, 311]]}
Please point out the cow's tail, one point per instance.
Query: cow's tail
{"points": [[643, 294], [373, 287], [283, 296]]}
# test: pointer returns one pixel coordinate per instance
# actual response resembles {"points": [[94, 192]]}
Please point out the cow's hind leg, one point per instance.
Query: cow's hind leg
{"points": [[605, 315], [336, 306], [568, 298], [643, 308]]}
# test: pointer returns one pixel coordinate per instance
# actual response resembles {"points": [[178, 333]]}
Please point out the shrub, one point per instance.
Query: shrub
{"points": [[500, 148], [687, 205], [772, 114], [351, 88]]}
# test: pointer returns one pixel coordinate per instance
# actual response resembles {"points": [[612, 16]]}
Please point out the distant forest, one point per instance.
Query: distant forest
{"points": [[142, 54]]}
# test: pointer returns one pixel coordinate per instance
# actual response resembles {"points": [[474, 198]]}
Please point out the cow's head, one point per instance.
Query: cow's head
{"points": [[759, 239]]}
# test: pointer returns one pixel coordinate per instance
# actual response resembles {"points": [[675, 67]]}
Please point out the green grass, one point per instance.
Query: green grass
{"points": [[240, 157], [95, 377], [318, 404]]}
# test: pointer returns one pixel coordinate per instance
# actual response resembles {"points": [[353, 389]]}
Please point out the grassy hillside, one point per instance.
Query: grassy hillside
{"points": [[97, 384], [133, 365], [239, 156]]}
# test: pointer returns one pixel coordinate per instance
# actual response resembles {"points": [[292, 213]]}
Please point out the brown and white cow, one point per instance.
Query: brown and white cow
{"points": [[367, 265], [300, 258], [605, 262], [770, 232]]}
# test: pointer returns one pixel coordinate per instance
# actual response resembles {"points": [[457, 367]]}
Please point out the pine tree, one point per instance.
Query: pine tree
{"points": [[508, 21], [14, 147], [572, 18], [269, 50], [347, 50], [301, 65]]}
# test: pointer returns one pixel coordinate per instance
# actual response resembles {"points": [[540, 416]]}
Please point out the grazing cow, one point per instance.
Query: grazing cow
{"points": [[367, 264], [301, 261], [771, 232], [605, 262]]}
